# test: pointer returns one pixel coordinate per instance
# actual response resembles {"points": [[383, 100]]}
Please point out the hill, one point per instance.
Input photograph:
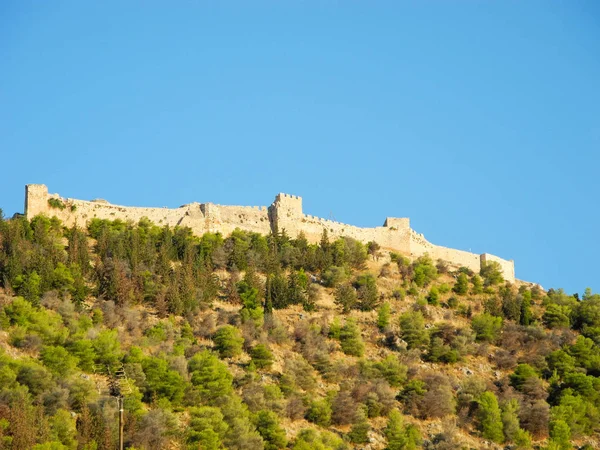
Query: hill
{"points": [[251, 341]]}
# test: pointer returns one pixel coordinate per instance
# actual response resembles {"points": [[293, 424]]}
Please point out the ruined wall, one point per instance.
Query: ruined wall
{"points": [[201, 218], [225, 219], [285, 213], [419, 246]]}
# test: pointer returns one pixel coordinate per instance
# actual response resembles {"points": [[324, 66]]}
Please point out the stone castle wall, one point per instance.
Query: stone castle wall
{"points": [[285, 213]]}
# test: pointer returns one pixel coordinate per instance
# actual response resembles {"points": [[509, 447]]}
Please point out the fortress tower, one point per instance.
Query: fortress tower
{"points": [[36, 200], [286, 213]]}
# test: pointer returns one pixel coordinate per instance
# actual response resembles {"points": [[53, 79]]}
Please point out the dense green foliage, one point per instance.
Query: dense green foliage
{"points": [[233, 342]]}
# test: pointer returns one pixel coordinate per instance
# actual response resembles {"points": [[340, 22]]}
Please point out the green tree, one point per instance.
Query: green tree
{"points": [[486, 327], [210, 377], [345, 297], [58, 360], [510, 419], [522, 373], [424, 271], [477, 284], [383, 316], [560, 435], [557, 316], [412, 329], [161, 381], [359, 433], [319, 412], [350, 339], [63, 429], [462, 284], [526, 312], [228, 341], [491, 272], [400, 436], [261, 356], [433, 298], [107, 348], [367, 293], [206, 428], [29, 286], [267, 425], [490, 417]]}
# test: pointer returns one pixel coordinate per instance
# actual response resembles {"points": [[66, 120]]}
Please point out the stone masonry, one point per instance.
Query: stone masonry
{"points": [[285, 213]]}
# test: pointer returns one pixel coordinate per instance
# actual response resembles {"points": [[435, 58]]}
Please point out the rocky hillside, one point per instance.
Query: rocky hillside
{"points": [[249, 342]]}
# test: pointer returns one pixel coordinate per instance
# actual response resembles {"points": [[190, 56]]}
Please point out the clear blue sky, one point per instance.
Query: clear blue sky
{"points": [[479, 120]]}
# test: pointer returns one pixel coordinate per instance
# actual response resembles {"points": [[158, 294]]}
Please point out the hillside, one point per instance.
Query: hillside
{"points": [[253, 341]]}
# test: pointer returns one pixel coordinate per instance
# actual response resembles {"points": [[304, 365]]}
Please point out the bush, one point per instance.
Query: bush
{"points": [[56, 203], [319, 412], [424, 271], [486, 327], [228, 341]]}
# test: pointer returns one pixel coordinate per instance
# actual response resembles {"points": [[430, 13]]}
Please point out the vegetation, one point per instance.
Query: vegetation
{"points": [[251, 342]]}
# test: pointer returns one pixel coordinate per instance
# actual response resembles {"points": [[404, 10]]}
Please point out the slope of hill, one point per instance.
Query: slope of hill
{"points": [[249, 341]]}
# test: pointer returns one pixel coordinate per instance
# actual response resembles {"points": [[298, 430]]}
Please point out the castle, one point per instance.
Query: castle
{"points": [[285, 213]]}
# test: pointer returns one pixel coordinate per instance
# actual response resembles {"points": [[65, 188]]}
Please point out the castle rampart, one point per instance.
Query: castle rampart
{"points": [[285, 213]]}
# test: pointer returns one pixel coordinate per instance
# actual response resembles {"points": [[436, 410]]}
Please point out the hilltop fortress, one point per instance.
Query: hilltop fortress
{"points": [[285, 213]]}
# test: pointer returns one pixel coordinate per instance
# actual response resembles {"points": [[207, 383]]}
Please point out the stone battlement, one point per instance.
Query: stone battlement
{"points": [[285, 213]]}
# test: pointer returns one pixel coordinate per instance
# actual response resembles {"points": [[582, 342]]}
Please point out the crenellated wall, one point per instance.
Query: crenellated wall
{"points": [[285, 213]]}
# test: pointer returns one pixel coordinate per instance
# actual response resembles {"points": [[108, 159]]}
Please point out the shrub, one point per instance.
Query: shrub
{"points": [[434, 296], [319, 412], [424, 271], [56, 203]]}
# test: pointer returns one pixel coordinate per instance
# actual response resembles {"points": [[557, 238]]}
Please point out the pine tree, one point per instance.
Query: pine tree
{"points": [[383, 316], [399, 436], [359, 433], [490, 417], [351, 340], [462, 284]]}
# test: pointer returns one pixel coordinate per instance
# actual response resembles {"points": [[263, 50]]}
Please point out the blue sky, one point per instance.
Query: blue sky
{"points": [[479, 120]]}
